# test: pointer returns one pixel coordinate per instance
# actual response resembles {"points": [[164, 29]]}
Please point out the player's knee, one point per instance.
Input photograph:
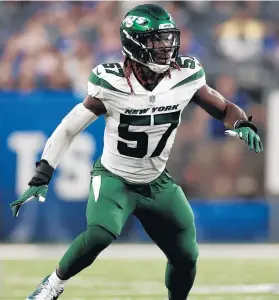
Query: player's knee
{"points": [[186, 253], [189, 253], [97, 238]]}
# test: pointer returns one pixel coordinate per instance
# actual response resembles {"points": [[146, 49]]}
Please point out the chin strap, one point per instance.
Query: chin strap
{"points": [[154, 67], [157, 68]]}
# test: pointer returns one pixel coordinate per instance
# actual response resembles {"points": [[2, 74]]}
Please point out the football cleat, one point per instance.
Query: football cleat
{"points": [[46, 291]]}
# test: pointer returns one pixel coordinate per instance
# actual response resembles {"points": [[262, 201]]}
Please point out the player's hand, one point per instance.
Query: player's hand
{"points": [[32, 193], [249, 136], [38, 186]]}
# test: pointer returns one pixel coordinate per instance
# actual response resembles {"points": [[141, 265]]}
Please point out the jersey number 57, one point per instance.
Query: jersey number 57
{"points": [[142, 137]]}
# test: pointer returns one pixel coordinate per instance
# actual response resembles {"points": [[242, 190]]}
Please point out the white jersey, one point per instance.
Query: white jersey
{"points": [[141, 127]]}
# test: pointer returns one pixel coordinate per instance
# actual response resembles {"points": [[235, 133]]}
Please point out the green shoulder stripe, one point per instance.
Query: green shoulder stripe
{"points": [[93, 78], [191, 78]]}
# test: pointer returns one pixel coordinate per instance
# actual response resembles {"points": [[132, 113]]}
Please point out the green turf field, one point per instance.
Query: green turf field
{"points": [[230, 279]]}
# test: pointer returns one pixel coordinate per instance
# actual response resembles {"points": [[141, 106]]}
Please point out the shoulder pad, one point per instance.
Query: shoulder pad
{"points": [[110, 76], [188, 62], [191, 73], [109, 70]]}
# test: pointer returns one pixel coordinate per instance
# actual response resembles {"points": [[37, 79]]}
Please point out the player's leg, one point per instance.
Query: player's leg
{"points": [[169, 221], [108, 208]]}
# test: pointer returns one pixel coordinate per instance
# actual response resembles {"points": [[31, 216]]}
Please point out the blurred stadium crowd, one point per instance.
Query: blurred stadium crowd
{"points": [[54, 45]]}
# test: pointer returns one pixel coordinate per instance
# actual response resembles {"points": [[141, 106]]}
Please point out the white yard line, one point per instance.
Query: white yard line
{"points": [[141, 251], [151, 287]]}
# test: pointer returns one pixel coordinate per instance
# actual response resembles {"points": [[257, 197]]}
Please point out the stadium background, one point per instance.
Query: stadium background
{"points": [[47, 50]]}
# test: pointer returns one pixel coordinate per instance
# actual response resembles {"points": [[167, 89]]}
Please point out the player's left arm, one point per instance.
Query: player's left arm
{"points": [[232, 115]]}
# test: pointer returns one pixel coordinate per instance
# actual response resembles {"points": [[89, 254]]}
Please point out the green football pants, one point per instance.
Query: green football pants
{"points": [[163, 211]]}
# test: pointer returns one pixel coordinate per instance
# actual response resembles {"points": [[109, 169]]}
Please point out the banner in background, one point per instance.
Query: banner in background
{"points": [[26, 121]]}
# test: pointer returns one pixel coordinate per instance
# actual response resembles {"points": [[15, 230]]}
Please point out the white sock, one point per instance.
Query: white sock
{"points": [[55, 280]]}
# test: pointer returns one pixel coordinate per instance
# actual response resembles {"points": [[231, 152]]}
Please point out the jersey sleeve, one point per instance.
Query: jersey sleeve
{"points": [[192, 73], [107, 83], [199, 75], [95, 86]]}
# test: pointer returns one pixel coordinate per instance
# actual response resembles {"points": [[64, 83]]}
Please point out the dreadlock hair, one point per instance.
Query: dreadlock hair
{"points": [[131, 65]]}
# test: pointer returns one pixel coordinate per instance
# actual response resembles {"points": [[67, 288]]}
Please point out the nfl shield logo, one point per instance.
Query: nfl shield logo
{"points": [[152, 99]]}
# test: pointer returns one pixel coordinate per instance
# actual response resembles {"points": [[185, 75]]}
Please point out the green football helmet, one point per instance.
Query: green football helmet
{"points": [[150, 37]]}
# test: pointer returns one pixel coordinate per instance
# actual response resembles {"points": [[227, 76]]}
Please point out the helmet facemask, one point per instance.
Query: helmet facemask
{"points": [[156, 49]]}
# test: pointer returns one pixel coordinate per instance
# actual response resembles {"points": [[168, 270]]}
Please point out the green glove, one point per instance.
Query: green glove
{"points": [[249, 136], [38, 186], [33, 192]]}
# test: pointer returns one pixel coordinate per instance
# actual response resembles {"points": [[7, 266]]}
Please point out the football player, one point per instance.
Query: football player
{"points": [[142, 100]]}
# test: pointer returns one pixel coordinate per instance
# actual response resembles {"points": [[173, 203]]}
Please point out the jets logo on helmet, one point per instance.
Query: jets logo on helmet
{"points": [[150, 37], [129, 21], [141, 20]]}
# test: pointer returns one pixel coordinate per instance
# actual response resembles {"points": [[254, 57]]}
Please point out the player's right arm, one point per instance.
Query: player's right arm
{"points": [[80, 117]]}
